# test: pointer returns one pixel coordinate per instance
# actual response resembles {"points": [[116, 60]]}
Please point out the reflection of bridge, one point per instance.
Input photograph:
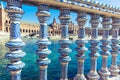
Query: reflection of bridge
{"points": [[110, 17]]}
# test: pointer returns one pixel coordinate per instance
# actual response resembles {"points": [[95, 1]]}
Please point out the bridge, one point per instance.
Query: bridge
{"points": [[110, 17]]}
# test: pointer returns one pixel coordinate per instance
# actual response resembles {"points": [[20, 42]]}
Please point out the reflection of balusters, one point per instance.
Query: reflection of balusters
{"points": [[82, 18], [64, 43], [43, 51], [15, 43], [93, 75], [105, 48], [115, 46]]}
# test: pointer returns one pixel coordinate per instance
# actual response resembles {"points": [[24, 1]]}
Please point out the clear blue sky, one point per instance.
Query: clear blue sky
{"points": [[30, 12]]}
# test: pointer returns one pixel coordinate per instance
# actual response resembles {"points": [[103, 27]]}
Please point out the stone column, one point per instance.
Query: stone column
{"points": [[93, 75], [15, 43], [105, 48], [64, 43], [43, 42], [82, 18], [115, 46]]}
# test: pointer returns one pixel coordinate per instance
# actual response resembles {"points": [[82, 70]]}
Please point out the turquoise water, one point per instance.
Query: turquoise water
{"points": [[31, 70]]}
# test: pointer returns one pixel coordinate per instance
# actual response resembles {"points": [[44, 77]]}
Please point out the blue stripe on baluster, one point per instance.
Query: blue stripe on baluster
{"points": [[15, 30]]}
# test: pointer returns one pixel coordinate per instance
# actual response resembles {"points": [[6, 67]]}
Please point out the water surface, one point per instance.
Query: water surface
{"points": [[31, 70]]}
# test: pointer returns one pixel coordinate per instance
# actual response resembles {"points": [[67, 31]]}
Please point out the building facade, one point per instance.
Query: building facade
{"points": [[55, 28], [25, 28], [33, 28]]}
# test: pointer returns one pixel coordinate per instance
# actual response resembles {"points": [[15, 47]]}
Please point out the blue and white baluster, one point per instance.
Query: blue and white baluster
{"points": [[43, 42], [93, 75], [15, 44], [115, 46], [64, 43], [104, 72], [82, 18]]}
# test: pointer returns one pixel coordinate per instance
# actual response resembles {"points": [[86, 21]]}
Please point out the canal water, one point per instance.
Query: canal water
{"points": [[31, 70]]}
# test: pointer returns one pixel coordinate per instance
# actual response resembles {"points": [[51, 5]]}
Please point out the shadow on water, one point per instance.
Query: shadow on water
{"points": [[31, 70]]}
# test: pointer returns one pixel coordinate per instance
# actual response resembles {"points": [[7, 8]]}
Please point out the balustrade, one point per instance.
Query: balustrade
{"points": [[15, 43]]}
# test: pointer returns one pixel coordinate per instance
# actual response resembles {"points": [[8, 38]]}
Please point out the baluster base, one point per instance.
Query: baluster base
{"points": [[93, 75], [114, 71], [104, 74], [119, 67], [80, 77], [104, 78]]}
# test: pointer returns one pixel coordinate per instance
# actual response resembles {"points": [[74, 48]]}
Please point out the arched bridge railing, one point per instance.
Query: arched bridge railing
{"points": [[111, 17]]}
